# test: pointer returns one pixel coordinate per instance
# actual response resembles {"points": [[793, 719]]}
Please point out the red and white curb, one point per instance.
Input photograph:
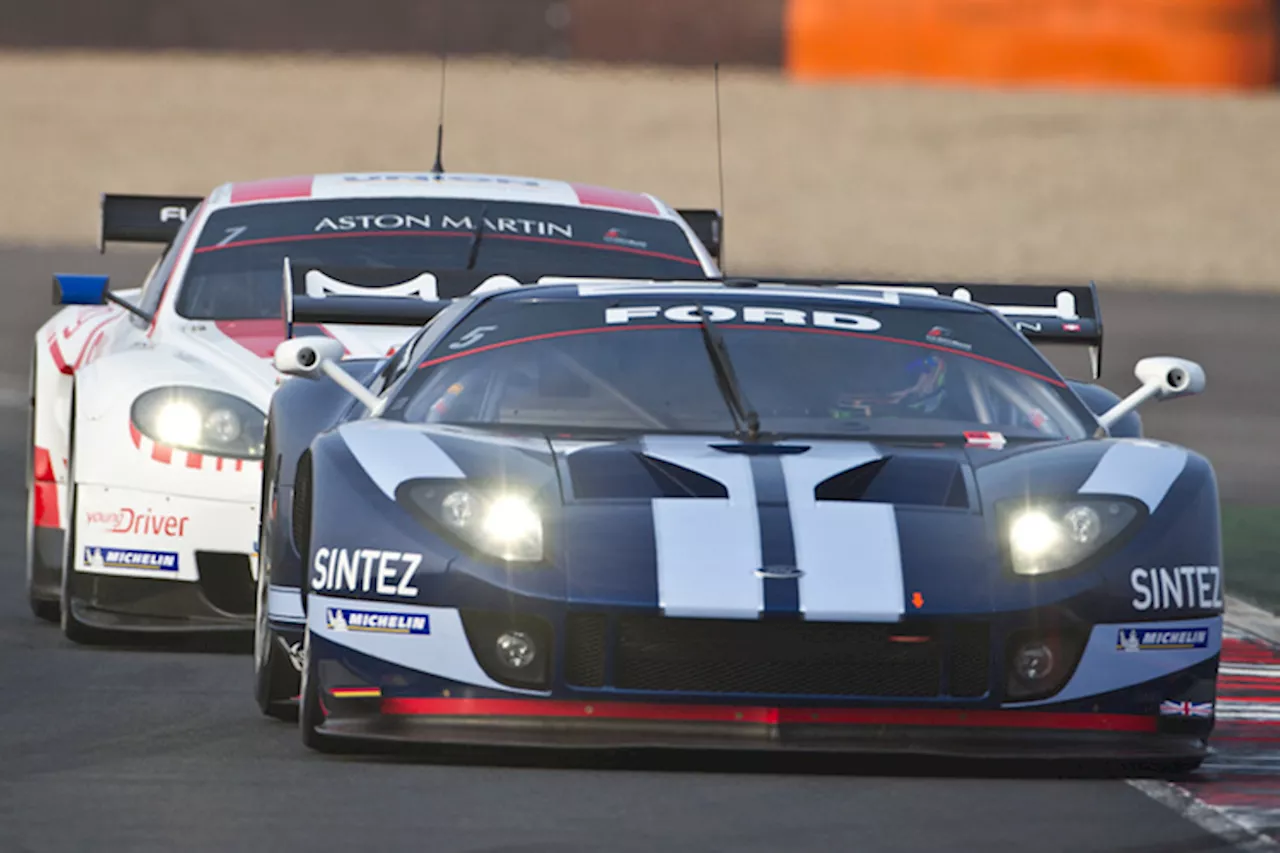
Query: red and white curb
{"points": [[1236, 793]]}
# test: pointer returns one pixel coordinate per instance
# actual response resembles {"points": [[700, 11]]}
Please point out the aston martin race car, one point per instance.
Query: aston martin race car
{"points": [[149, 405], [743, 514]]}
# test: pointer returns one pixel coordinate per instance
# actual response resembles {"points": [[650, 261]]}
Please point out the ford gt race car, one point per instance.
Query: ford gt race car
{"points": [[149, 405], [743, 514]]}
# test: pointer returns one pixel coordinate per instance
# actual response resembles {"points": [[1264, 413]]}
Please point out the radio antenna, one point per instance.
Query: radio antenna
{"points": [[719, 157], [438, 168]]}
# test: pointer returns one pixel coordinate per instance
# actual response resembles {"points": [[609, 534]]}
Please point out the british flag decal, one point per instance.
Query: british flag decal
{"points": [[1169, 708]]}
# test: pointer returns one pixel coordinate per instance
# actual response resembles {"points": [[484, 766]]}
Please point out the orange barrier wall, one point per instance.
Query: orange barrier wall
{"points": [[1199, 44]]}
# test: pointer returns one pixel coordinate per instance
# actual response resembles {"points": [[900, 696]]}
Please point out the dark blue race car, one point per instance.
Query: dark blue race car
{"points": [[736, 514]]}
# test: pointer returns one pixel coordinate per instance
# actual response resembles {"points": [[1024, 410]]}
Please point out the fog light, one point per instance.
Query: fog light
{"points": [[1033, 661], [516, 649]]}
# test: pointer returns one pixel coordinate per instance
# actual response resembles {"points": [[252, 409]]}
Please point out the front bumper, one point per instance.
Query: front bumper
{"points": [[618, 725], [429, 681], [148, 561]]}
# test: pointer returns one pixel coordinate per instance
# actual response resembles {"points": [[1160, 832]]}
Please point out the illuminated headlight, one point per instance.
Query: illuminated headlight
{"points": [[1050, 537], [502, 524], [201, 421]]}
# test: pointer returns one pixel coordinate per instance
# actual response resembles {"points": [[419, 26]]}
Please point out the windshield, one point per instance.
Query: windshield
{"points": [[237, 265], [807, 367]]}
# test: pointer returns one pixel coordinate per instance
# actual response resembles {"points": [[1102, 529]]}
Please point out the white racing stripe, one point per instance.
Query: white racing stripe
{"points": [[392, 453], [708, 549], [847, 550], [284, 604], [1138, 469]]}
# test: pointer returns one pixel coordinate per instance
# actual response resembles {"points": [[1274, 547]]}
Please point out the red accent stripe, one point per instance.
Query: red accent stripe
{"points": [[45, 496], [135, 434], [219, 458], [43, 467], [260, 337], [555, 241], [239, 464], [162, 453], [594, 196], [272, 189], [55, 352], [567, 333], [195, 460], [771, 716]]}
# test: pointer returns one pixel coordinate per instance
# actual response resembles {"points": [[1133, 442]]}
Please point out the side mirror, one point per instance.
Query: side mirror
{"points": [[1162, 378], [1174, 377], [313, 355], [79, 289], [305, 356]]}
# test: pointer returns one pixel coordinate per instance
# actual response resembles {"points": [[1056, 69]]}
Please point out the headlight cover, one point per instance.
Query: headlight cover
{"points": [[1046, 536], [201, 421], [498, 522]]}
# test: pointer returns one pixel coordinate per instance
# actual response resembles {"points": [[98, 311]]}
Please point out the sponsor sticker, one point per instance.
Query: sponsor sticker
{"points": [[373, 622], [618, 237], [365, 570], [1145, 639], [419, 221], [943, 336], [989, 440], [120, 558], [139, 522], [1179, 588], [621, 315], [1170, 708]]}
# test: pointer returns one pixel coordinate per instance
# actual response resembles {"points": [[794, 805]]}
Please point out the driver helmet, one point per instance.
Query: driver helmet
{"points": [[916, 388]]}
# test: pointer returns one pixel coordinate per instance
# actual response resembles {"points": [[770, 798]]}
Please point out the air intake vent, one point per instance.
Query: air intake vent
{"points": [[614, 472], [908, 480]]}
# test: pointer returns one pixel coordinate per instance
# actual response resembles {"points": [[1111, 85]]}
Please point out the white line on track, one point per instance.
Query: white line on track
{"points": [[1205, 816]]}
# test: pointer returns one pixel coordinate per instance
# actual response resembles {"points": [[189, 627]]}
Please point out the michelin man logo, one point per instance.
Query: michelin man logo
{"points": [[320, 285], [1129, 640], [93, 559], [337, 621]]}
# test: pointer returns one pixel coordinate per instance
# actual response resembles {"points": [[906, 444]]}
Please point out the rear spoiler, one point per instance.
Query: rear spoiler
{"points": [[1043, 313], [707, 226], [376, 296], [143, 218]]}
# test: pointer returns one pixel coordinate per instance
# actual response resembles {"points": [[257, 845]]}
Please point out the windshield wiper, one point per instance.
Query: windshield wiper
{"points": [[476, 236], [739, 409]]}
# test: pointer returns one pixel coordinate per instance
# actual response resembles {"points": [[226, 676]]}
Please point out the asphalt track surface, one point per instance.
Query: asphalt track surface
{"points": [[161, 748]]}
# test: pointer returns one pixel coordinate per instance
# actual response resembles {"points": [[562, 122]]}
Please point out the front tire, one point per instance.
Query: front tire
{"points": [[43, 608], [310, 711], [275, 681]]}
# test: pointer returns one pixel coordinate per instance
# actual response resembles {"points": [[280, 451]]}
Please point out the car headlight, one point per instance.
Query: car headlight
{"points": [[201, 421], [501, 523], [1045, 537]]}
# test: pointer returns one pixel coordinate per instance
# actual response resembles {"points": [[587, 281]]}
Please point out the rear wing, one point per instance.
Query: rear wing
{"points": [[143, 218], [376, 296], [707, 226], [1043, 313]]}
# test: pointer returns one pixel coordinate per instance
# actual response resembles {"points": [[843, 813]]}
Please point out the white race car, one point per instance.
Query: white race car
{"points": [[148, 404]]}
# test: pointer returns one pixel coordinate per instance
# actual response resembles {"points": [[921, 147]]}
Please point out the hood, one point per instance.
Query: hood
{"points": [[239, 351], [704, 526]]}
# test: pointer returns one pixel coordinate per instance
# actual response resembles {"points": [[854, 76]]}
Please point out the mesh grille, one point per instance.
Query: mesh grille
{"points": [[969, 661], [585, 651], [792, 658], [780, 658]]}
